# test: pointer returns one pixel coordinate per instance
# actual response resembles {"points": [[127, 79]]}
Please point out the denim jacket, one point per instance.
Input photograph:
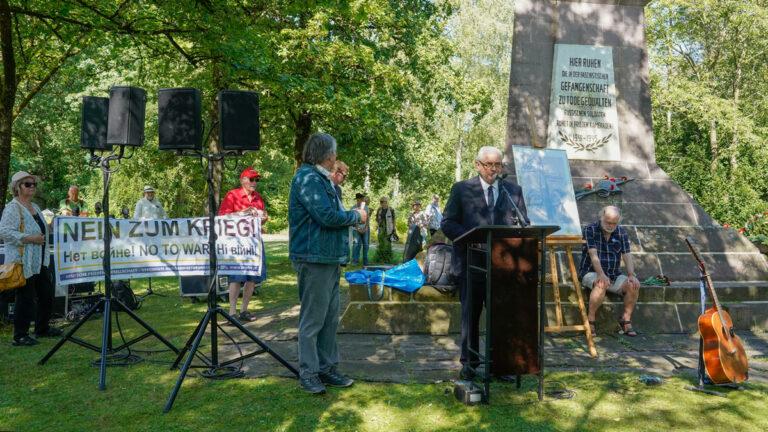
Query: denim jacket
{"points": [[317, 225]]}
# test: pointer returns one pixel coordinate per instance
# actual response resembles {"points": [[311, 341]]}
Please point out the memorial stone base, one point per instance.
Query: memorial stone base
{"points": [[673, 309]]}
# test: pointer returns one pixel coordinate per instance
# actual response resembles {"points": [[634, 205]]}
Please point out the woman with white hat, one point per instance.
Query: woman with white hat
{"points": [[25, 234]]}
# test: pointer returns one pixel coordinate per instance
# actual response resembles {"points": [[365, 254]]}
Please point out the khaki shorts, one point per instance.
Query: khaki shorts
{"points": [[589, 281]]}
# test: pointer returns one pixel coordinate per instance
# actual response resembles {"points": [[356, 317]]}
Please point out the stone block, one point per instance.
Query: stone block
{"points": [[722, 267], [531, 74], [707, 240], [429, 293], [647, 317], [681, 294], [654, 214], [401, 318], [598, 169], [590, 24], [628, 57]]}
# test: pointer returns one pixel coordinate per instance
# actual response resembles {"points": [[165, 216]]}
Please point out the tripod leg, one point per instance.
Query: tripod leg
{"points": [[186, 347], [104, 341], [72, 331], [188, 361], [147, 327], [259, 342]]}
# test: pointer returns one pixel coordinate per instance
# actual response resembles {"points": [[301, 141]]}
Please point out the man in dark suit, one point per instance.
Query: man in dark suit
{"points": [[482, 200]]}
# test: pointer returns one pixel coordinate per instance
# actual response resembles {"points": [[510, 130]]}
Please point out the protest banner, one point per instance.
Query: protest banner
{"points": [[149, 248]]}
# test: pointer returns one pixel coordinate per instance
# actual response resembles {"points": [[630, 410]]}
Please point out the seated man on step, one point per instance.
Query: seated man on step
{"points": [[607, 244]]}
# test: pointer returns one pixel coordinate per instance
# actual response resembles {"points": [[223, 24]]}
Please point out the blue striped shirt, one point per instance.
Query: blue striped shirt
{"points": [[609, 251]]}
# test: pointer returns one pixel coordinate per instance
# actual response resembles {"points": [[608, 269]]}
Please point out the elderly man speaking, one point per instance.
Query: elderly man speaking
{"points": [[481, 200], [318, 229]]}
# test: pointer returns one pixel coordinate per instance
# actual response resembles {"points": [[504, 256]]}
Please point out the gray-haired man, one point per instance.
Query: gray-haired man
{"points": [[318, 227]]}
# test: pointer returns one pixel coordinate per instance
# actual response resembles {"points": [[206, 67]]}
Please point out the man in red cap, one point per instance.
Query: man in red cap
{"points": [[245, 201]]}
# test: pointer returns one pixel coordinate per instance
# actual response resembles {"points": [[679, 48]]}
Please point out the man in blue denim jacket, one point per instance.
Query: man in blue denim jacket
{"points": [[318, 228]]}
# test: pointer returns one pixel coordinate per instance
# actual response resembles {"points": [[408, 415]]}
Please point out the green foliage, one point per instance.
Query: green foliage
{"points": [[362, 71], [709, 67]]}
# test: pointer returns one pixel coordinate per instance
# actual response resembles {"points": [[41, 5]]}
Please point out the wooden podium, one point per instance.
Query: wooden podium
{"points": [[510, 260]]}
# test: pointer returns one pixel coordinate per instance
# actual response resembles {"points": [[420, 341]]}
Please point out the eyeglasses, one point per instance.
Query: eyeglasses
{"points": [[29, 184], [253, 179], [491, 165]]}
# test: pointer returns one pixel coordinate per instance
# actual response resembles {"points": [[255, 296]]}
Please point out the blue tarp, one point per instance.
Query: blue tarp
{"points": [[406, 277]]}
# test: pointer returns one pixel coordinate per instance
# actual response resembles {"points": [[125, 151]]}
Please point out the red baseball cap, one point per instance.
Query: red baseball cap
{"points": [[250, 173]]}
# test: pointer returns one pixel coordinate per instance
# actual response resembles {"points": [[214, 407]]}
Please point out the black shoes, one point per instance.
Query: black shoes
{"points": [[50, 332], [315, 384], [466, 373], [312, 385], [334, 379], [25, 340], [246, 316]]}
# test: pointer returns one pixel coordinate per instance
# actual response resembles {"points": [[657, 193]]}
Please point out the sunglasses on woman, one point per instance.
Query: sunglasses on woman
{"points": [[29, 184]]}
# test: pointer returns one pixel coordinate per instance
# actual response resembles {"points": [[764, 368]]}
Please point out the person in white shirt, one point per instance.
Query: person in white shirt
{"points": [[148, 207]]}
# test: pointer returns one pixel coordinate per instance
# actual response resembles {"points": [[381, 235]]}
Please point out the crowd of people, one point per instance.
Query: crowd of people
{"points": [[324, 235]]}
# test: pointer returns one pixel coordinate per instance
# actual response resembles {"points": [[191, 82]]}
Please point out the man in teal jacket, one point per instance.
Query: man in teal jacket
{"points": [[318, 230]]}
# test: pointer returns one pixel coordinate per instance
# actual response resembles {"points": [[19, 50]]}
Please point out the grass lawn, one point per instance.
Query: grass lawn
{"points": [[63, 395]]}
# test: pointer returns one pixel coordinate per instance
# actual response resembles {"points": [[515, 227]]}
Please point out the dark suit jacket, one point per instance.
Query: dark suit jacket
{"points": [[466, 209]]}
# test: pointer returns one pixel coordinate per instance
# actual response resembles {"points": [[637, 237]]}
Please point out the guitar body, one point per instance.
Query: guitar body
{"points": [[724, 357]]}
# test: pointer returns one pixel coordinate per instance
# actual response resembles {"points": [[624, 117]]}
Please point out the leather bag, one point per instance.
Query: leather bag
{"points": [[12, 274]]}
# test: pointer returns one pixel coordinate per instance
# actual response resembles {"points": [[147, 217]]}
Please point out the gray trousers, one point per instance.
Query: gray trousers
{"points": [[319, 317]]}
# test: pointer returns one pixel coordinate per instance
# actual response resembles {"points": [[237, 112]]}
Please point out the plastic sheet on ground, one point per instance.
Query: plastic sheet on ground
{"points": [[406, 277]]}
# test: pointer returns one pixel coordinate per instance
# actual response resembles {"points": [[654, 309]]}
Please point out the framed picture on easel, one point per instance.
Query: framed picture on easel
{"points": [[545, 176]]}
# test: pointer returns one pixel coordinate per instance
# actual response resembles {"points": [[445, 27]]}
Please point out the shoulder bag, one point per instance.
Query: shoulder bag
{"points": [[12, 274]]}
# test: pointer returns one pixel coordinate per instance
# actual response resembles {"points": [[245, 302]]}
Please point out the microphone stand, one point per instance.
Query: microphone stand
{"points": [[518, 214]]}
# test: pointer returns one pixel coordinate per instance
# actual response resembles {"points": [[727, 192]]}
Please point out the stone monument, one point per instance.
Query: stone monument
{"points": [[580, 82]]}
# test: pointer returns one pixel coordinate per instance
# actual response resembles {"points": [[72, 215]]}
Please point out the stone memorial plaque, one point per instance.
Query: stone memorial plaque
{"points": [[582, 114]]}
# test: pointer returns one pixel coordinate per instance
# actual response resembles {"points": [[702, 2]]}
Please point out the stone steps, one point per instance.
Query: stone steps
{"points": [[672, 309]]}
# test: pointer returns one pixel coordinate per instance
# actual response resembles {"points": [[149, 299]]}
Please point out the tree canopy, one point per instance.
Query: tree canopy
{"points": [[409, 88]]}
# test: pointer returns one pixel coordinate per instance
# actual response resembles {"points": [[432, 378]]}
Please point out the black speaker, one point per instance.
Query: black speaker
{"points": [[93, 123], [126, 116], [178, 119], [239, 120], [197, 286]]}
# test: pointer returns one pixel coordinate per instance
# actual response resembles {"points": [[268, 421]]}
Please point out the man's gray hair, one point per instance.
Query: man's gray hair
{"points": [[486, 150], [319, 148], [610, 211]]}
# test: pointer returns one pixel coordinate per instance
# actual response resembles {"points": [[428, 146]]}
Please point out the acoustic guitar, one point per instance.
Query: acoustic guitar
{"points": [[724, 358]]}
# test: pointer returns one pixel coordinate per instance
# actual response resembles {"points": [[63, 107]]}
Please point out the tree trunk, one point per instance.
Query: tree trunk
{"points": [[214, 146], [734, 150], [459, 151], [7, 97], [302, 130], [713, 146]]}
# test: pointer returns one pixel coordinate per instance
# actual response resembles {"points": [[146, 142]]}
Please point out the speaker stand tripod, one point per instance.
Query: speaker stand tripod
{"points": [[108, 304], [214, 367], [150, 292]]}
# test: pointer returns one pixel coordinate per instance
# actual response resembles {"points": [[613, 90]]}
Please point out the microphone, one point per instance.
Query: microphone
{"points": [[97, 208], [126, 212], [518, 214]]}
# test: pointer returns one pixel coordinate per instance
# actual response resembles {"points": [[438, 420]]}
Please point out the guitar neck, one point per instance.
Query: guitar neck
{"points": [[710, 285]]}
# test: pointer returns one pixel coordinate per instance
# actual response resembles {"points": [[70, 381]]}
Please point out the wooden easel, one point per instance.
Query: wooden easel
{"points": [[567, 242]]}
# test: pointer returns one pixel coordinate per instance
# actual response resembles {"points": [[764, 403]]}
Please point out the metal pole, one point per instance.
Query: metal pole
{"points": [[212, 263], [106, 336], [488, 348], [542, 314]]}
